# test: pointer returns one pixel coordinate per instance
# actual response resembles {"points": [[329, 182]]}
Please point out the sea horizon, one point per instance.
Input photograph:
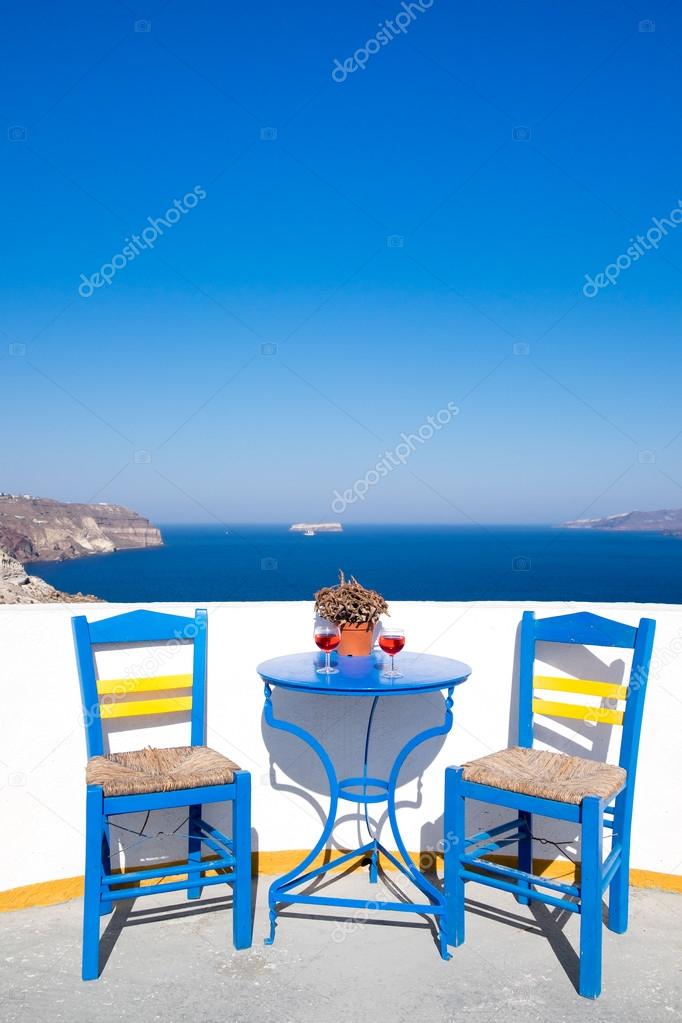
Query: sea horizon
{"points": [[428, 561]]}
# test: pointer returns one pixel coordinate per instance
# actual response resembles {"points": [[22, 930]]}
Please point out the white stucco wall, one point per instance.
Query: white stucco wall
{"points": [[42, 746]]}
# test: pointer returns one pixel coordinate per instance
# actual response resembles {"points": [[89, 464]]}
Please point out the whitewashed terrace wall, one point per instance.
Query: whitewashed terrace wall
{"points": [[42, 744]]}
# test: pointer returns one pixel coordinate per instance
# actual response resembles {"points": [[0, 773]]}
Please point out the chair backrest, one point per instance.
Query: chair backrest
{"points": [[586, 629], [126, 630]]}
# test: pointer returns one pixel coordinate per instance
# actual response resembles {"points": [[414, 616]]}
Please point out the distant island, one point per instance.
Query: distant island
{"points": [[316, 527], [667, 521], [40, 529]]}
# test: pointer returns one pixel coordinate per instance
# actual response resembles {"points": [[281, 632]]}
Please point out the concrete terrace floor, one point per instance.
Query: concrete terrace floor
{"points": [[171, 960]]}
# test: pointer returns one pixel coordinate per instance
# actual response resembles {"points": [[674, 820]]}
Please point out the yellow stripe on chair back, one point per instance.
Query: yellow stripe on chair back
{"points": [[585, 687], [132, 708], [126, 710], [123, 686]]}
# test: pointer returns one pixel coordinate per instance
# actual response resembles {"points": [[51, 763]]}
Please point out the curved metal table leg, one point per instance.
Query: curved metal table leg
{"points": [[436, 897], [286, 726]]}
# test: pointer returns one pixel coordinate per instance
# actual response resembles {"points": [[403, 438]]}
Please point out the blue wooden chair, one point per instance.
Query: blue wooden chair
{"points": [[145, 780], [587, 793]]}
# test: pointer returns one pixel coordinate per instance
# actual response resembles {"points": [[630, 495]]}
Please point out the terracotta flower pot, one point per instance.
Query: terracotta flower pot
{"points": [[356, 640]]}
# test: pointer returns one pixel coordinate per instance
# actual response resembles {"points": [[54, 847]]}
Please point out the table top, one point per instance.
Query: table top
{"points": [[362, 676]]}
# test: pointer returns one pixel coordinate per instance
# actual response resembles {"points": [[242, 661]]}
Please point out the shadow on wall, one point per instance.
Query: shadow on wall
{"points": [[141, 839], [570, 736], [339, 723]]}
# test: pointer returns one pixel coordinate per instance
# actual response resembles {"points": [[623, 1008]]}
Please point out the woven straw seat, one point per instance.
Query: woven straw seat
{"points": [[159, 770], [536, 772]]}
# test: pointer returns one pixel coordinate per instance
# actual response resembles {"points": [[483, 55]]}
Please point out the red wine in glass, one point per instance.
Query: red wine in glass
{"points": [[392, 642], [327, 641], [327, 637]]}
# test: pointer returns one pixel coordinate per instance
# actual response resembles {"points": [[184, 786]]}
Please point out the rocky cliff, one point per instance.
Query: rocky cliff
{"points": [[16, 587], [39, 529]]}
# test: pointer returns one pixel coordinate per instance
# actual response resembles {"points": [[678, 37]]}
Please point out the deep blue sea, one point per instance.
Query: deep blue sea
{"points": [[203, 563]]}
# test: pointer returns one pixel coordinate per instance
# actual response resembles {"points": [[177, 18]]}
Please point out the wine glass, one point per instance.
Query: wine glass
{"points": [[392, 641], [327, 637]]}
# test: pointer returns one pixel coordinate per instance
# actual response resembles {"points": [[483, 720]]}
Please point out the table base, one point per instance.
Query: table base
{"points": [[281, 895], [281, 890]]}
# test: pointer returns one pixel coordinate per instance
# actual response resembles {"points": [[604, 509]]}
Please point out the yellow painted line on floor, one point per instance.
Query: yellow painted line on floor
{"points": [[50, 893]]}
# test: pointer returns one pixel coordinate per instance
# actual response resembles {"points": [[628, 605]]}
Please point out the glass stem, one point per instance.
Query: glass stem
{"points": [[328, 661], [392, 663]]}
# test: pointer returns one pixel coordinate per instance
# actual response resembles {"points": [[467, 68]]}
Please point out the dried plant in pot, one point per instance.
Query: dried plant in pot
{"points": [[355, 609]]}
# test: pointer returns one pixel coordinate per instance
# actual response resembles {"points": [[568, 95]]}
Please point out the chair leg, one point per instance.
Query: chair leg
{"points": [[525, 852], [454, 847], [242, 923], [106, 907], [590, 898], [619, 894], [194, 850], [93, 868]]}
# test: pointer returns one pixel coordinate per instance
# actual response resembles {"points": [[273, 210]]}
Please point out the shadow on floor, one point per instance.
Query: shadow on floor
{"points": [[546, 923], [125, 915]]}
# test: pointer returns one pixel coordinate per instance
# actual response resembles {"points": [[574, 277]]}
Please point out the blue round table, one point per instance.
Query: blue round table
{"points": [[361, 676]]}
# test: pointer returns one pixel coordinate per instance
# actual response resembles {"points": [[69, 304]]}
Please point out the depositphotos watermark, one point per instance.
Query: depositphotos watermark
{"points": [[391, 460], [388, 31], [639, 245], [139, 242]]}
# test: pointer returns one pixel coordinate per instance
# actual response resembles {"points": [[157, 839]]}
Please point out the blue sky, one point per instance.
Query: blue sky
{"points": [[366, 252]]}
